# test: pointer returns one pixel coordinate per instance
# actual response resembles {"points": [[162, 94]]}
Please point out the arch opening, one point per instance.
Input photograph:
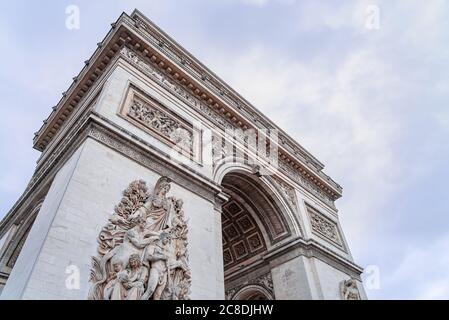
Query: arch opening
{"points": [[253, 292]]}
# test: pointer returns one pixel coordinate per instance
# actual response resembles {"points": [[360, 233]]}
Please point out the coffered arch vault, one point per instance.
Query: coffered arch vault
{"points": [[255, 218], [265, 197]]}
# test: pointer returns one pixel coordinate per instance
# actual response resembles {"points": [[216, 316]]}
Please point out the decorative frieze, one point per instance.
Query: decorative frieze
{"points": [[242, 238], [162, 123], [142, 251], [213, 84], [179, 57], [178, 90], [306, 183], [128, 149], [153, 117], [288, 191], [324, 226]]}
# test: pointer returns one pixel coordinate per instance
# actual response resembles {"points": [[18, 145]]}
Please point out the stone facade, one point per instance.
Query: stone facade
{"points": [[141, 192]]}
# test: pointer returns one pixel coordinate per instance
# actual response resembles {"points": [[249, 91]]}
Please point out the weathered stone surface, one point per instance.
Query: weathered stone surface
{"points": [[134, 199]]}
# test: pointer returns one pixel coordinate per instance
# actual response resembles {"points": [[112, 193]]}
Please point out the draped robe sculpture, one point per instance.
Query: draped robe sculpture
{"points": [[142, 252]]}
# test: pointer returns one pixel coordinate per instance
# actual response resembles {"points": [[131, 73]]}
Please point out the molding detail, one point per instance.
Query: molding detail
{"points": [[142, 252], [150, 115], [306, 183], [15, 254], [161, 166], [160, 121], [15, 244], [264, 281], [324, 226], [154, 74]]}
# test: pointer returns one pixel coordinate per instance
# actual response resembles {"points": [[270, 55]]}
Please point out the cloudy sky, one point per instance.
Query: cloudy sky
{"points": [[363, 85]]}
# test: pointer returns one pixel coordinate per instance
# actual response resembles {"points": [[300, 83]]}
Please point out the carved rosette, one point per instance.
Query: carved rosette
{"points": [[221, 122], [142, 251]]}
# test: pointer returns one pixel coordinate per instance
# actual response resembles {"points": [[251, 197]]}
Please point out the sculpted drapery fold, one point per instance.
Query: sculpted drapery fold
{"points": [[349, 290], [142, 252]]}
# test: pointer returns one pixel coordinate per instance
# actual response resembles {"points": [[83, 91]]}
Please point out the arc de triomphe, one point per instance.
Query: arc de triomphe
{"points": [[157, 180]]}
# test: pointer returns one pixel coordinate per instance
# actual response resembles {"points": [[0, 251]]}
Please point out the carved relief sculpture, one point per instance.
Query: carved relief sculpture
{"points": [[153, 117], [349, 290], [142, 252]]}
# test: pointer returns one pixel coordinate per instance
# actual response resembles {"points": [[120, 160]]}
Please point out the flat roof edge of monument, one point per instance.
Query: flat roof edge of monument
{"points": [[78, 88], [248, 104]]}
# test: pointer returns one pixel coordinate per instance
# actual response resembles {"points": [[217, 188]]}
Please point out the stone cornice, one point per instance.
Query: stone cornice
{"points": [[300, 247], [137, 32], [311, 248]]}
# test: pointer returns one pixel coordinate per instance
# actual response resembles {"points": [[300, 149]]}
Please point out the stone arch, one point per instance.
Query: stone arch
{"points": [[253, 292], [283, 202], [255, 219], [9, 257]]}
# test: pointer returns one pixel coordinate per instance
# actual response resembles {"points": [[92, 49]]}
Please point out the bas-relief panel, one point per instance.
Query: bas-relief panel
{"points": [[142, 251]]}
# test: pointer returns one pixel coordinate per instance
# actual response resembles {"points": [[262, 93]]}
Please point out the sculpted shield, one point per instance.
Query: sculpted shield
{"points": [[142, 251]]}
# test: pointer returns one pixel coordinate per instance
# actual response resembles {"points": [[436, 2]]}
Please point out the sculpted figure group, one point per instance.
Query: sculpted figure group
{"points": [[349, 290], [142, 253]]}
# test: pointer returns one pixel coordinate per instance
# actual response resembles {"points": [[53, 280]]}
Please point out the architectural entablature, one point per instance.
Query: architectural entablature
{"points": [[137, 39]]}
